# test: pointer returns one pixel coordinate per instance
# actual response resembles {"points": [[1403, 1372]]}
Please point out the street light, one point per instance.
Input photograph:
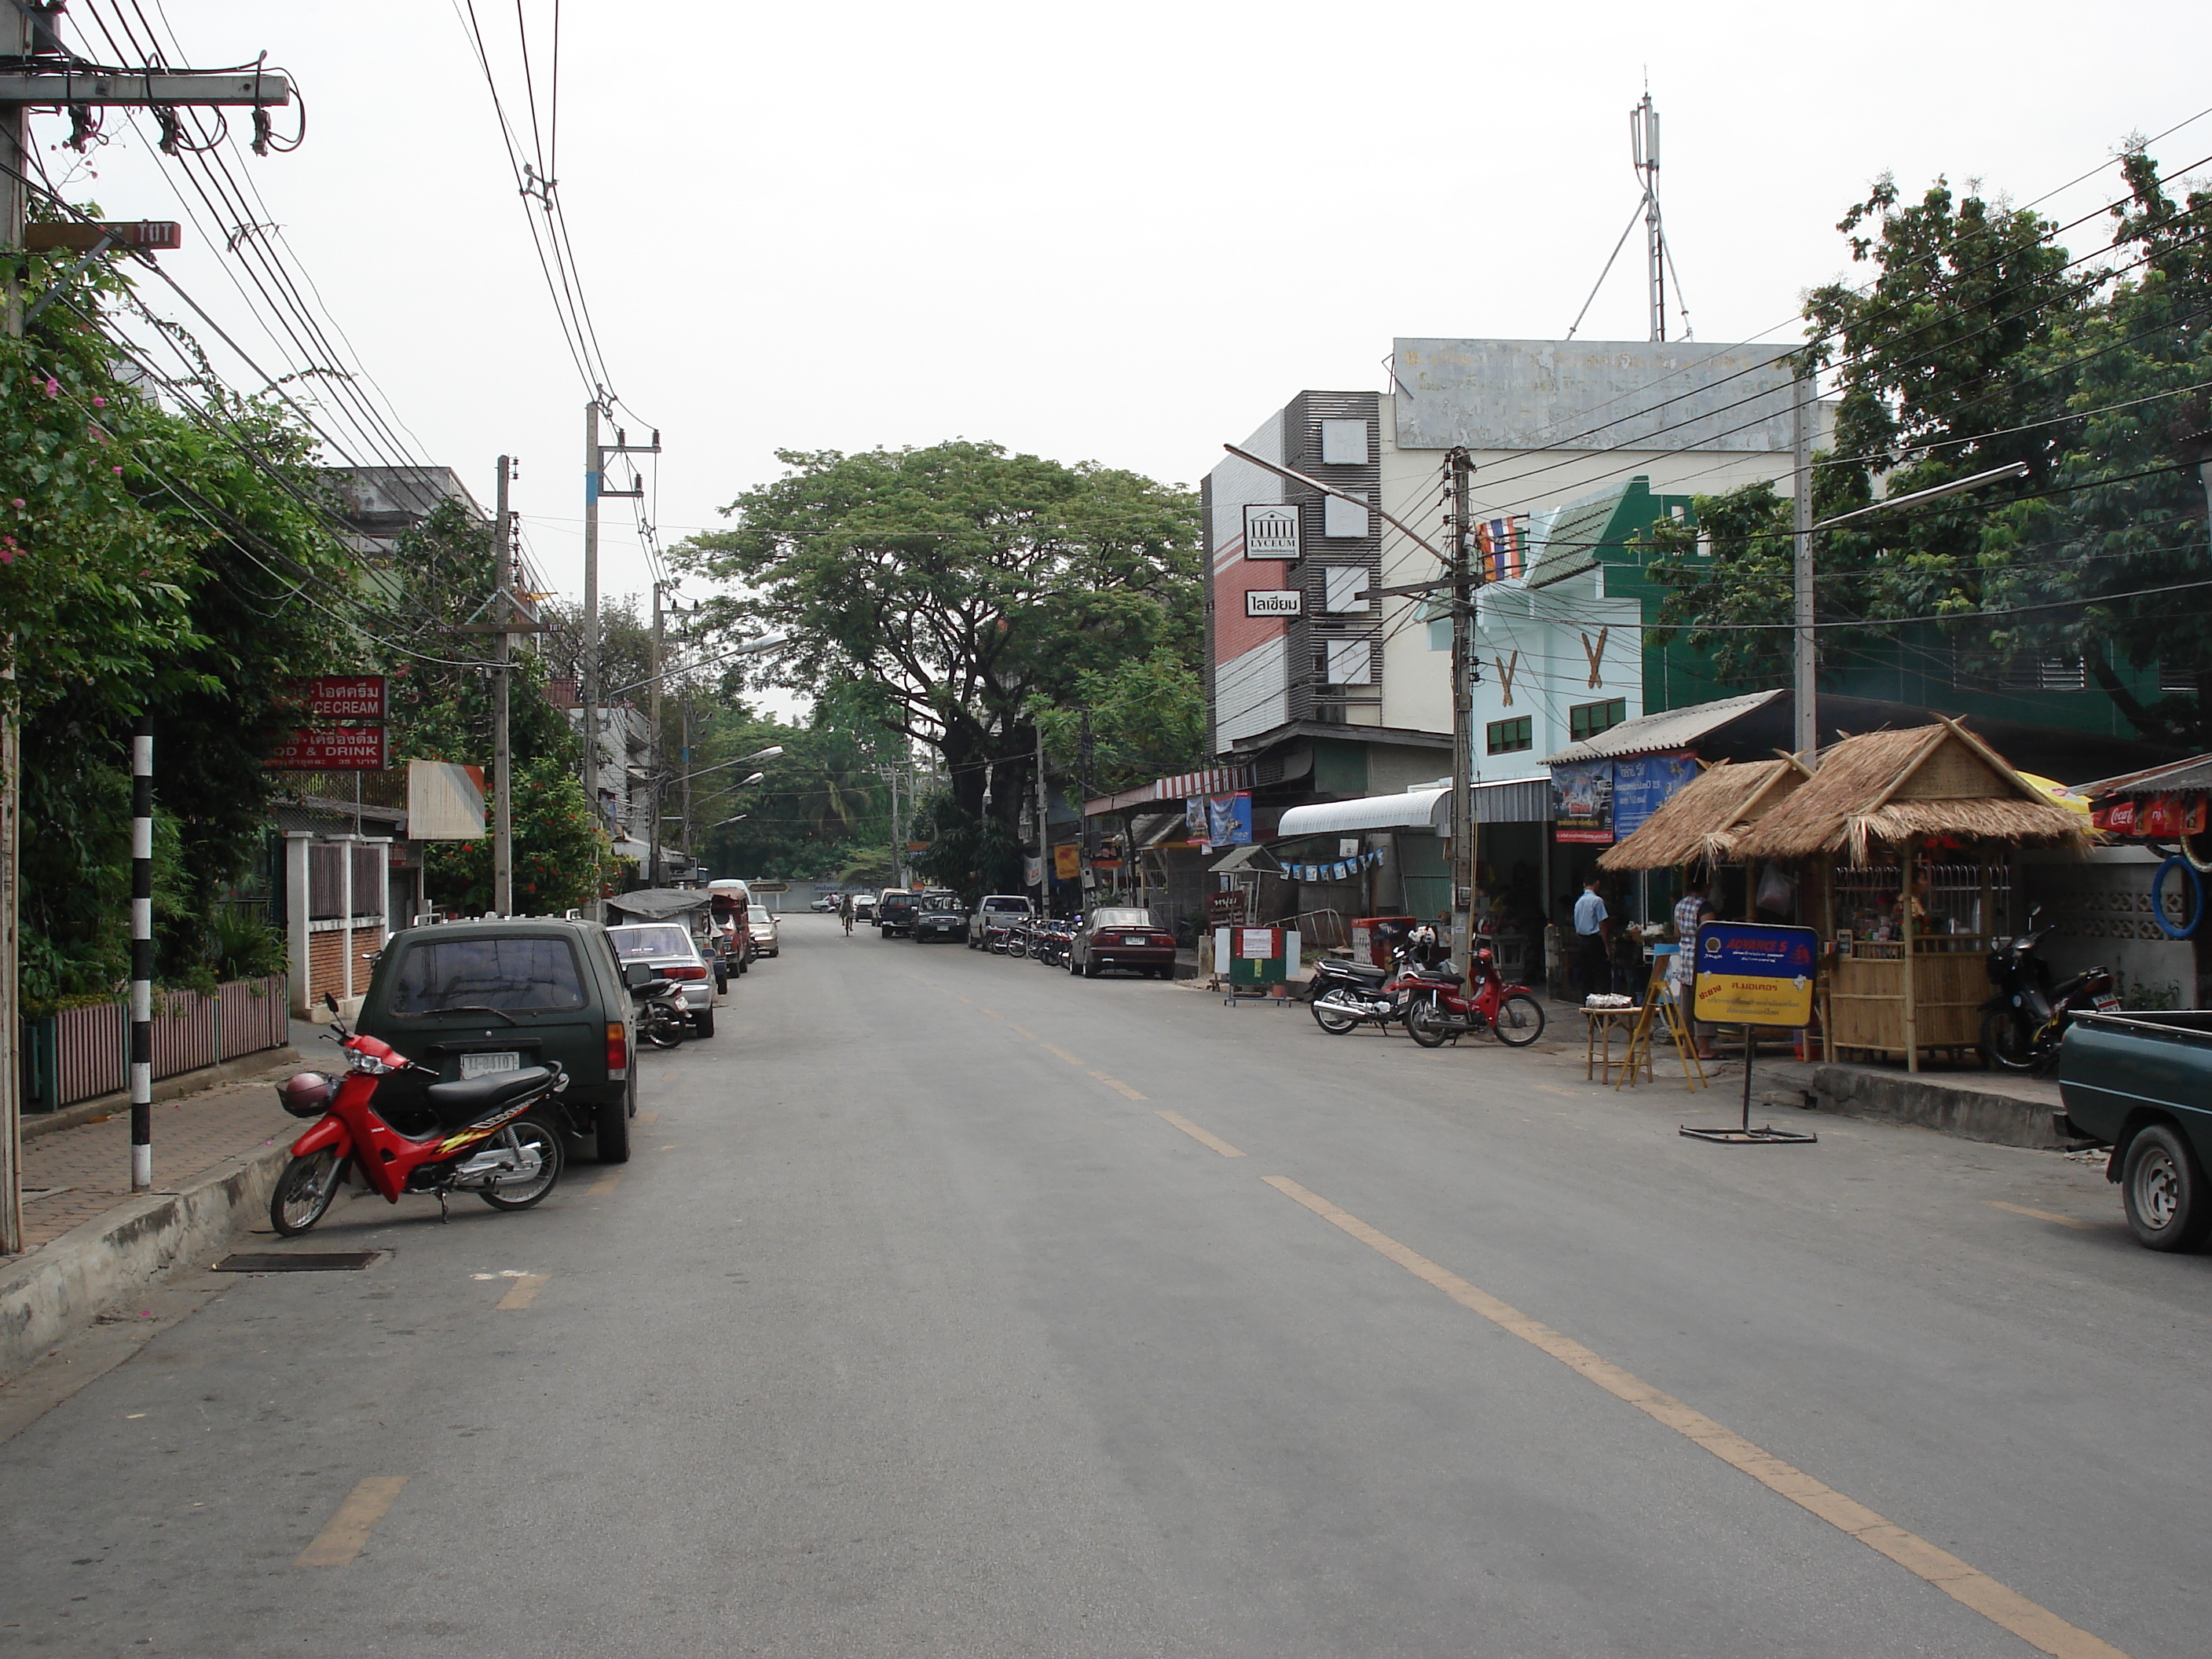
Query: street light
{"points": [[1803, 676]]}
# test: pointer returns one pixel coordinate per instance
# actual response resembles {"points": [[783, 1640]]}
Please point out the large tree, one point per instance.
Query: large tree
{"points": [[956, 589]]}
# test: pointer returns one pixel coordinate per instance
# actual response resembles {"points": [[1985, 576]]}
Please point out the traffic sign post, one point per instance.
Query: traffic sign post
{"points": [[1758, 975]]}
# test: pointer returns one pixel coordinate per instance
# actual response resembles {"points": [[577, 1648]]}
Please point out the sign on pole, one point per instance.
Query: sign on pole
{"points": [[1755, 974], [343, 696], [331, 749]]}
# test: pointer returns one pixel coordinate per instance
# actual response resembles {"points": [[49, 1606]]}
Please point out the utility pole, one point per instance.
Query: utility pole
{"points": [[689, 846], [141, 953], [653, 755], [1463, 673], [41, 79], [502, 755], [1044, 834], [595, 458], [1804, 661]]}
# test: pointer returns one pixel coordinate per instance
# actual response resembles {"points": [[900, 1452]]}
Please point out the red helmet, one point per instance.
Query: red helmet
{"points": [[305, 1094]]}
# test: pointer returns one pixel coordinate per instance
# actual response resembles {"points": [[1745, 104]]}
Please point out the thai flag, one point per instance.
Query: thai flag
{"points": [[1500, 540]]}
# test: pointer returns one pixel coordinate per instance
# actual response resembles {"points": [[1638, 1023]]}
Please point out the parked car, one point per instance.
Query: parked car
{"points": [[995, 916], [2138, 1082], [767, 937], [895, 911], [823, 904], [475, 998], [940, 915], [669, 950], [864, 908], [1121, 938]]}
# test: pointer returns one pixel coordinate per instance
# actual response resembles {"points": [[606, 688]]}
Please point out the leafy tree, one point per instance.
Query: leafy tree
{"points": [[954, 587], [1146, 716]]}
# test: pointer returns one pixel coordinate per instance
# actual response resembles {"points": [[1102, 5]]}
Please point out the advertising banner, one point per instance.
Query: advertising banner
{"points": [[343, 696], [1066, 861], [1750, 973], [445, 802], [1582, 802], [1229, 820], [1641, 786], [331, 749]]}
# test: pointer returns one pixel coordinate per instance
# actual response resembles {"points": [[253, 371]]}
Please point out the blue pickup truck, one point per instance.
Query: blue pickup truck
{"points": [[2142, 1083]]}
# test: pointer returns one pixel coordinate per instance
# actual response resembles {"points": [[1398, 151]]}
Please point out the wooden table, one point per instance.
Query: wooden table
{"points": [[1598, 1062]]}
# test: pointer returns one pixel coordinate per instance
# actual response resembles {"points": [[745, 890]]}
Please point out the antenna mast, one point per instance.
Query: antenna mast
{"points": [[1644, 143]]}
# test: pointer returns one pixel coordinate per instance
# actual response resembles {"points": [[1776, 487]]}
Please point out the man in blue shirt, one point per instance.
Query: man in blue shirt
{"points": [[1593, 928]]}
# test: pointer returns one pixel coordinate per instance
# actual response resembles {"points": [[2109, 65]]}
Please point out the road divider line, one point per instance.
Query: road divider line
{"points": [[647, 1120], [345, 1533], [1176, 1120], [2041, 1215], [1051, 1048], [604, 1184], [524, 1293], [988, 1013], [1118, 1086], [1968, 1585], [1019, 1031]]}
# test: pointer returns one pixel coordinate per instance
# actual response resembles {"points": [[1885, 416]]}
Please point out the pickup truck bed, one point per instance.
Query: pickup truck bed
{"points": [[2142, 1083]]}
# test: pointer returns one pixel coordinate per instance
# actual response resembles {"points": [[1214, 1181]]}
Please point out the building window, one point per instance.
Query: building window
{"points": [[1345, 521], [1344, 443], [1511, 736], [1343, 588], [1586, 720], [2176, 678], [2043, 674], [1349, 662]]}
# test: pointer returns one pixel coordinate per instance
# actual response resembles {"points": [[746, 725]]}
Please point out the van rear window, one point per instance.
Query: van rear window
{"points": [[508, 974]]}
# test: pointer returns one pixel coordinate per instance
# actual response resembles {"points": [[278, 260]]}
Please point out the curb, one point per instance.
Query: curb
{"points": [[263, 1063], [59, 1289]]}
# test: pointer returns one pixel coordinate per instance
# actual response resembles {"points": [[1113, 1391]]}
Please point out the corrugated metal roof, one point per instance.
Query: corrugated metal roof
{"points": [[1571, 539], [1415, 809], [2184, 777], [1673, 728]]}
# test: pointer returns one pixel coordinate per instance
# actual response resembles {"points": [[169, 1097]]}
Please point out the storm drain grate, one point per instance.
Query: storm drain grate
{"points": [[297, 1261]]}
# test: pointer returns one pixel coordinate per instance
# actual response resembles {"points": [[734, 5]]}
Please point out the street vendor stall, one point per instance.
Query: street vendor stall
{"points": [[1703, 820], [1903, 844]]}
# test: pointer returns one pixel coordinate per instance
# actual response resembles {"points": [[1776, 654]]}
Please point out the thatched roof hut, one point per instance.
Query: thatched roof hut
{"points": [[1703, 821], [1888, 788]]}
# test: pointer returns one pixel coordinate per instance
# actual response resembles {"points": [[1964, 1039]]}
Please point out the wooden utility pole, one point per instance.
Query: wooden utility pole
{"points": [[1043, 833], [502, 757], [1804, 659]]}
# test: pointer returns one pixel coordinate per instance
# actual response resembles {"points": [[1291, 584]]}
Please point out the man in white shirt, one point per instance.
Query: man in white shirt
{"points": [[1593, 928]]}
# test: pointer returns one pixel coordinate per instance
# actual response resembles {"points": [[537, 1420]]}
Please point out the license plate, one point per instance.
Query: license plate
{"points": [[2108, 1005], [504, 1060]]}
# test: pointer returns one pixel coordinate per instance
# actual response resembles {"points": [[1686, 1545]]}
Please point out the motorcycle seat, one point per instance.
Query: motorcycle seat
{"points": [[460, 1103], [1353, 969]]}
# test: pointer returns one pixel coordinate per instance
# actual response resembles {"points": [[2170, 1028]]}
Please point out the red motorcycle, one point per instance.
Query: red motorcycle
{"points": [[483, 1139], [1441, 1011]]}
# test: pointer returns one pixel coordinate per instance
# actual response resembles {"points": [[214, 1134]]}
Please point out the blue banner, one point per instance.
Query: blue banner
{"points": [[1642, 785], [1229, 820]]}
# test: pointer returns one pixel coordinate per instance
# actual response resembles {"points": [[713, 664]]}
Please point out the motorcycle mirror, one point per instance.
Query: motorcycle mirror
{"points": [[330, 1002]]}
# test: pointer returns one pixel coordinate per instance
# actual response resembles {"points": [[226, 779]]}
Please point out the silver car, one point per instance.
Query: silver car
{"points": [[667, 948]]}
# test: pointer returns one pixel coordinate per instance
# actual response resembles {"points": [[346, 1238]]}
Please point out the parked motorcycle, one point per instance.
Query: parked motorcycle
{"points": [[486, 1138], [2023, 1025], [1441, 1012], [1347, 993], [663, 1018], [1049, 941]]}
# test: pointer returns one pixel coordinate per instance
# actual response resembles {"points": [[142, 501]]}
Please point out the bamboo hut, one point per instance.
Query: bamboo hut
{"points": [[1904, 843], [1702, 822]]}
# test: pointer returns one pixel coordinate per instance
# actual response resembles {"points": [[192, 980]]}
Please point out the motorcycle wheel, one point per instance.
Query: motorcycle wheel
{"points": [[1332, 1020], [304, 1192], [2004, 1045], [547, 1143], [1520, 1021], [1426, 1024]]}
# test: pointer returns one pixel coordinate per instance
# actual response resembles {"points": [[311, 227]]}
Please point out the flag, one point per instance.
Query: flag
{"points": [[1500, 542]]}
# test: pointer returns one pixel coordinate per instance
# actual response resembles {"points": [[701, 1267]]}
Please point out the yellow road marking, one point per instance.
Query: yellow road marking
{"points": [[647, 1120], [1062, 1053], [1118, 1086], [345, 1533], [1018, 1031], [605, 1183], [988, 1013], [524, 1293], [970, 1002], [2035, 1624], [2041, 1215], [1554, 1088], [1197, 1134]]}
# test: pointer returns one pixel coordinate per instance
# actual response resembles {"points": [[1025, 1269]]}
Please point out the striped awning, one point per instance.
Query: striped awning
{"points": [[1183, 786]]}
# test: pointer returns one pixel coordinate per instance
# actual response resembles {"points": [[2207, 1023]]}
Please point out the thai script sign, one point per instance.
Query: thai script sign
{"points": [[1751, 973], [331, 749]]}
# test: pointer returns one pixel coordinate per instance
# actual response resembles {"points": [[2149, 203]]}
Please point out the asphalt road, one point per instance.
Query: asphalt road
{"points": [[915, 1327]]}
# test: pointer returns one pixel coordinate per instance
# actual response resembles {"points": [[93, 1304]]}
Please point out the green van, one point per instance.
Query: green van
{"points": [[473, 998]]}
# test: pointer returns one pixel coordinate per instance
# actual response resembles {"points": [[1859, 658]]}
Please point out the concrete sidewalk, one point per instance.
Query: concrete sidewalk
{"points": [[87, 1238]]}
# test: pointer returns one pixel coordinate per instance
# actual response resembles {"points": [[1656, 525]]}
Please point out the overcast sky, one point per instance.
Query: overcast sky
{"points": [[1117, 234]]}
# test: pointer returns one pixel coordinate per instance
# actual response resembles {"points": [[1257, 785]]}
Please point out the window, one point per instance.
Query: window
{"points": [[2176, 678], [1586, 720], [1345, 520], [1511, 736], [1350, 662], [509, 973], [1344, 443], [1344, 588], [662, 940], [2043, 674]]}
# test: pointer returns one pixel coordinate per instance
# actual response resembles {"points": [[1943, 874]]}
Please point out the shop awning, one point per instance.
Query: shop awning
{"points": [[1414, 809], [1670, 729]]}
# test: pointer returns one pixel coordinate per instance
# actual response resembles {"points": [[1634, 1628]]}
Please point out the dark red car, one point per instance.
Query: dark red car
{"points": [[1123, 939]]}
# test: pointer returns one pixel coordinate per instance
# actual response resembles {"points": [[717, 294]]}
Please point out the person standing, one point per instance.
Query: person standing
{"points": [[1593, 936], [1693, 908]]}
